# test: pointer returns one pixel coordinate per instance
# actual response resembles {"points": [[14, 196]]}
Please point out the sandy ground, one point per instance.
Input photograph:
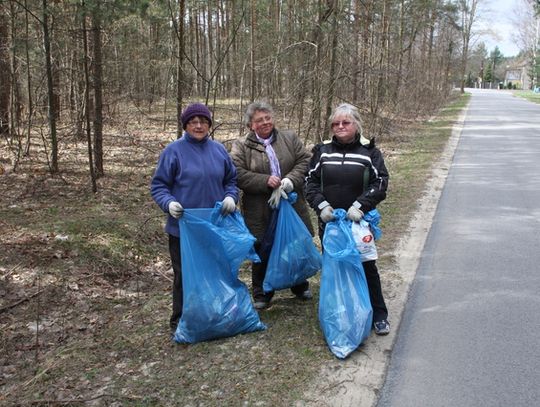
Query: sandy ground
{"points": [[357, 380]]}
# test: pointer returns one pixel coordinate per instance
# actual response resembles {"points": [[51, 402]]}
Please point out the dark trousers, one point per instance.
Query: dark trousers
{"points": [[380, 311], [177, 291], [373, 279], [258, 272]]}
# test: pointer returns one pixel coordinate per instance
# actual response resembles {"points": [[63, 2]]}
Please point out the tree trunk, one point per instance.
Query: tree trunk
{"points": [[468, 18], [252, 51], [356, 55], [16, 106], [98, 93], [50, 90], [87, 105], [318, 39], [5, 73], [209, 52], [179, 69], [380, 88], [28, 81], [366, 50], [332, 73]]}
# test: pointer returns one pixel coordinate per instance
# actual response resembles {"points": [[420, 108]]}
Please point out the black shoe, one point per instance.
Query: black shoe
{"points": [[262, 300], [306, 295], [261, 304], [381, 327]]}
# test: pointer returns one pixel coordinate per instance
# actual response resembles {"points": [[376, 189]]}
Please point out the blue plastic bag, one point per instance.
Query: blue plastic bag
{"points": [[373, 217], [345, 312], [216, 302], [294, 257], [269, 235]]}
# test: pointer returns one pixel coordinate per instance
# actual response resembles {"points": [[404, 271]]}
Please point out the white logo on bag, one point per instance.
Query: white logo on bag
{"points": [[365, 242]]}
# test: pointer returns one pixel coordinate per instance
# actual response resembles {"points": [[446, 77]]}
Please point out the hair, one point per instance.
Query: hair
{"points": [[347, 109], [257, 106]]}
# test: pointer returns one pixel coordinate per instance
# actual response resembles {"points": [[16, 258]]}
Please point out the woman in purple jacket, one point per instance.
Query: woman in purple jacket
{"points": [[192, 172]]}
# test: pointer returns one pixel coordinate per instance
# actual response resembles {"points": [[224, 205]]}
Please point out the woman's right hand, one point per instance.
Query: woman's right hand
{"points": [[273, 182], [327, 214], [176, 210]]}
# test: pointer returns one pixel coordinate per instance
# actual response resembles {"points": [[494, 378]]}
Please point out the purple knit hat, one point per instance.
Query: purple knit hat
{"points": [[195, 109]]}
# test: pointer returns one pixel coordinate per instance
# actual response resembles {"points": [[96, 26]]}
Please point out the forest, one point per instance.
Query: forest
{"points": [[79, 67]]}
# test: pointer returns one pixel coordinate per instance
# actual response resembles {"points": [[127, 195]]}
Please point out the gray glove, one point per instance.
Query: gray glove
{"points": [[355, 214], [228, 205], [327, 214], [287, 185], [277, 194], [175, 209]]}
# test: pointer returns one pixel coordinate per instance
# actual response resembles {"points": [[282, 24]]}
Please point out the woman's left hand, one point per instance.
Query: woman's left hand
{"points": [[287, 185], [355, 214]]}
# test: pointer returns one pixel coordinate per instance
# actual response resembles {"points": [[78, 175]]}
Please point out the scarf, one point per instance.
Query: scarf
{"points": [[274, 163]]}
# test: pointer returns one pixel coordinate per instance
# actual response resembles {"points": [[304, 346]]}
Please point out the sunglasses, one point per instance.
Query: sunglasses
{"points": [[344, 123]]}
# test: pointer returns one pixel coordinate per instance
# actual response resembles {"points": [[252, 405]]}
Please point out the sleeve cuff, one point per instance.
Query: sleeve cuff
{"points": [[323, 205], [357, 205]]}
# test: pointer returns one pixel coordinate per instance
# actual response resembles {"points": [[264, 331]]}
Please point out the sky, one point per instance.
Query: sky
{"points": [[497, 15]]}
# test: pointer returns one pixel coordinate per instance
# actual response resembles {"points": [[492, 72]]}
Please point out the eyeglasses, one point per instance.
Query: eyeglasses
{"points": [[263, 119], [344, 123], [197, 122]]}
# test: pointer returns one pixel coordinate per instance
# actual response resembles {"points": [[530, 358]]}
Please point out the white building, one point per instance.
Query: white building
{"points": [[518, 75]]}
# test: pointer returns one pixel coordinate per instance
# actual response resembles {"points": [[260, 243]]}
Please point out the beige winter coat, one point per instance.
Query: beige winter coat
{"points": [[253, 168]]}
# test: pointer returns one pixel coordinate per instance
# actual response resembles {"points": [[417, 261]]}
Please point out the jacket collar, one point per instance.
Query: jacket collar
{"points": [[252, 138], [189, 138], [358, 140]]}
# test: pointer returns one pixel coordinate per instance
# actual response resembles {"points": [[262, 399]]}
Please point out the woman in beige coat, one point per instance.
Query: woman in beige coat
{"points": [[269, 161]]}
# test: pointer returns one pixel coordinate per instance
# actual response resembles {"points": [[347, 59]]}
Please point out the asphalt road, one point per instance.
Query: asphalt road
{"points": [[470, 332]]}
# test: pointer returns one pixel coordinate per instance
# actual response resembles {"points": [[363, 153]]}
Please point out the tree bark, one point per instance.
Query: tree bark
{"points": [[468, 18], [179, 67], [50, 89], [332, 73], [15, 106], [252, 51], [5, 73], [28, 81], [87, 104], [98, 93]]}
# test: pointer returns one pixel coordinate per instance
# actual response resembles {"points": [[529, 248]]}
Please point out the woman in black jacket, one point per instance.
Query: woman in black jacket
{"points": [[348, 172]]}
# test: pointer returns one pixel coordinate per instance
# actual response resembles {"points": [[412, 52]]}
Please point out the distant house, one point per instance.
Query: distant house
{"points": [[517, 75]]}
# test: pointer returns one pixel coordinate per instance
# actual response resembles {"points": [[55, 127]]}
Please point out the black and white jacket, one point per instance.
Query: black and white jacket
{"points": [[345, 175]]}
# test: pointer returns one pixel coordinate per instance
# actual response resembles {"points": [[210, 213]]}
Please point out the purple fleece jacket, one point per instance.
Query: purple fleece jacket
{"points": [[195, 173]]}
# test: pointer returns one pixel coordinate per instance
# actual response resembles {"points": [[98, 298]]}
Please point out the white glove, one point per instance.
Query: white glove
{"points": [[287, 185], [276, 196], [327, 214], [228, 205], [175, 209], [355, 214]]}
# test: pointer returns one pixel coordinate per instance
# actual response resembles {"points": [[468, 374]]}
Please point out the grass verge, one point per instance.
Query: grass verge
{"points": [[527, 94]]}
